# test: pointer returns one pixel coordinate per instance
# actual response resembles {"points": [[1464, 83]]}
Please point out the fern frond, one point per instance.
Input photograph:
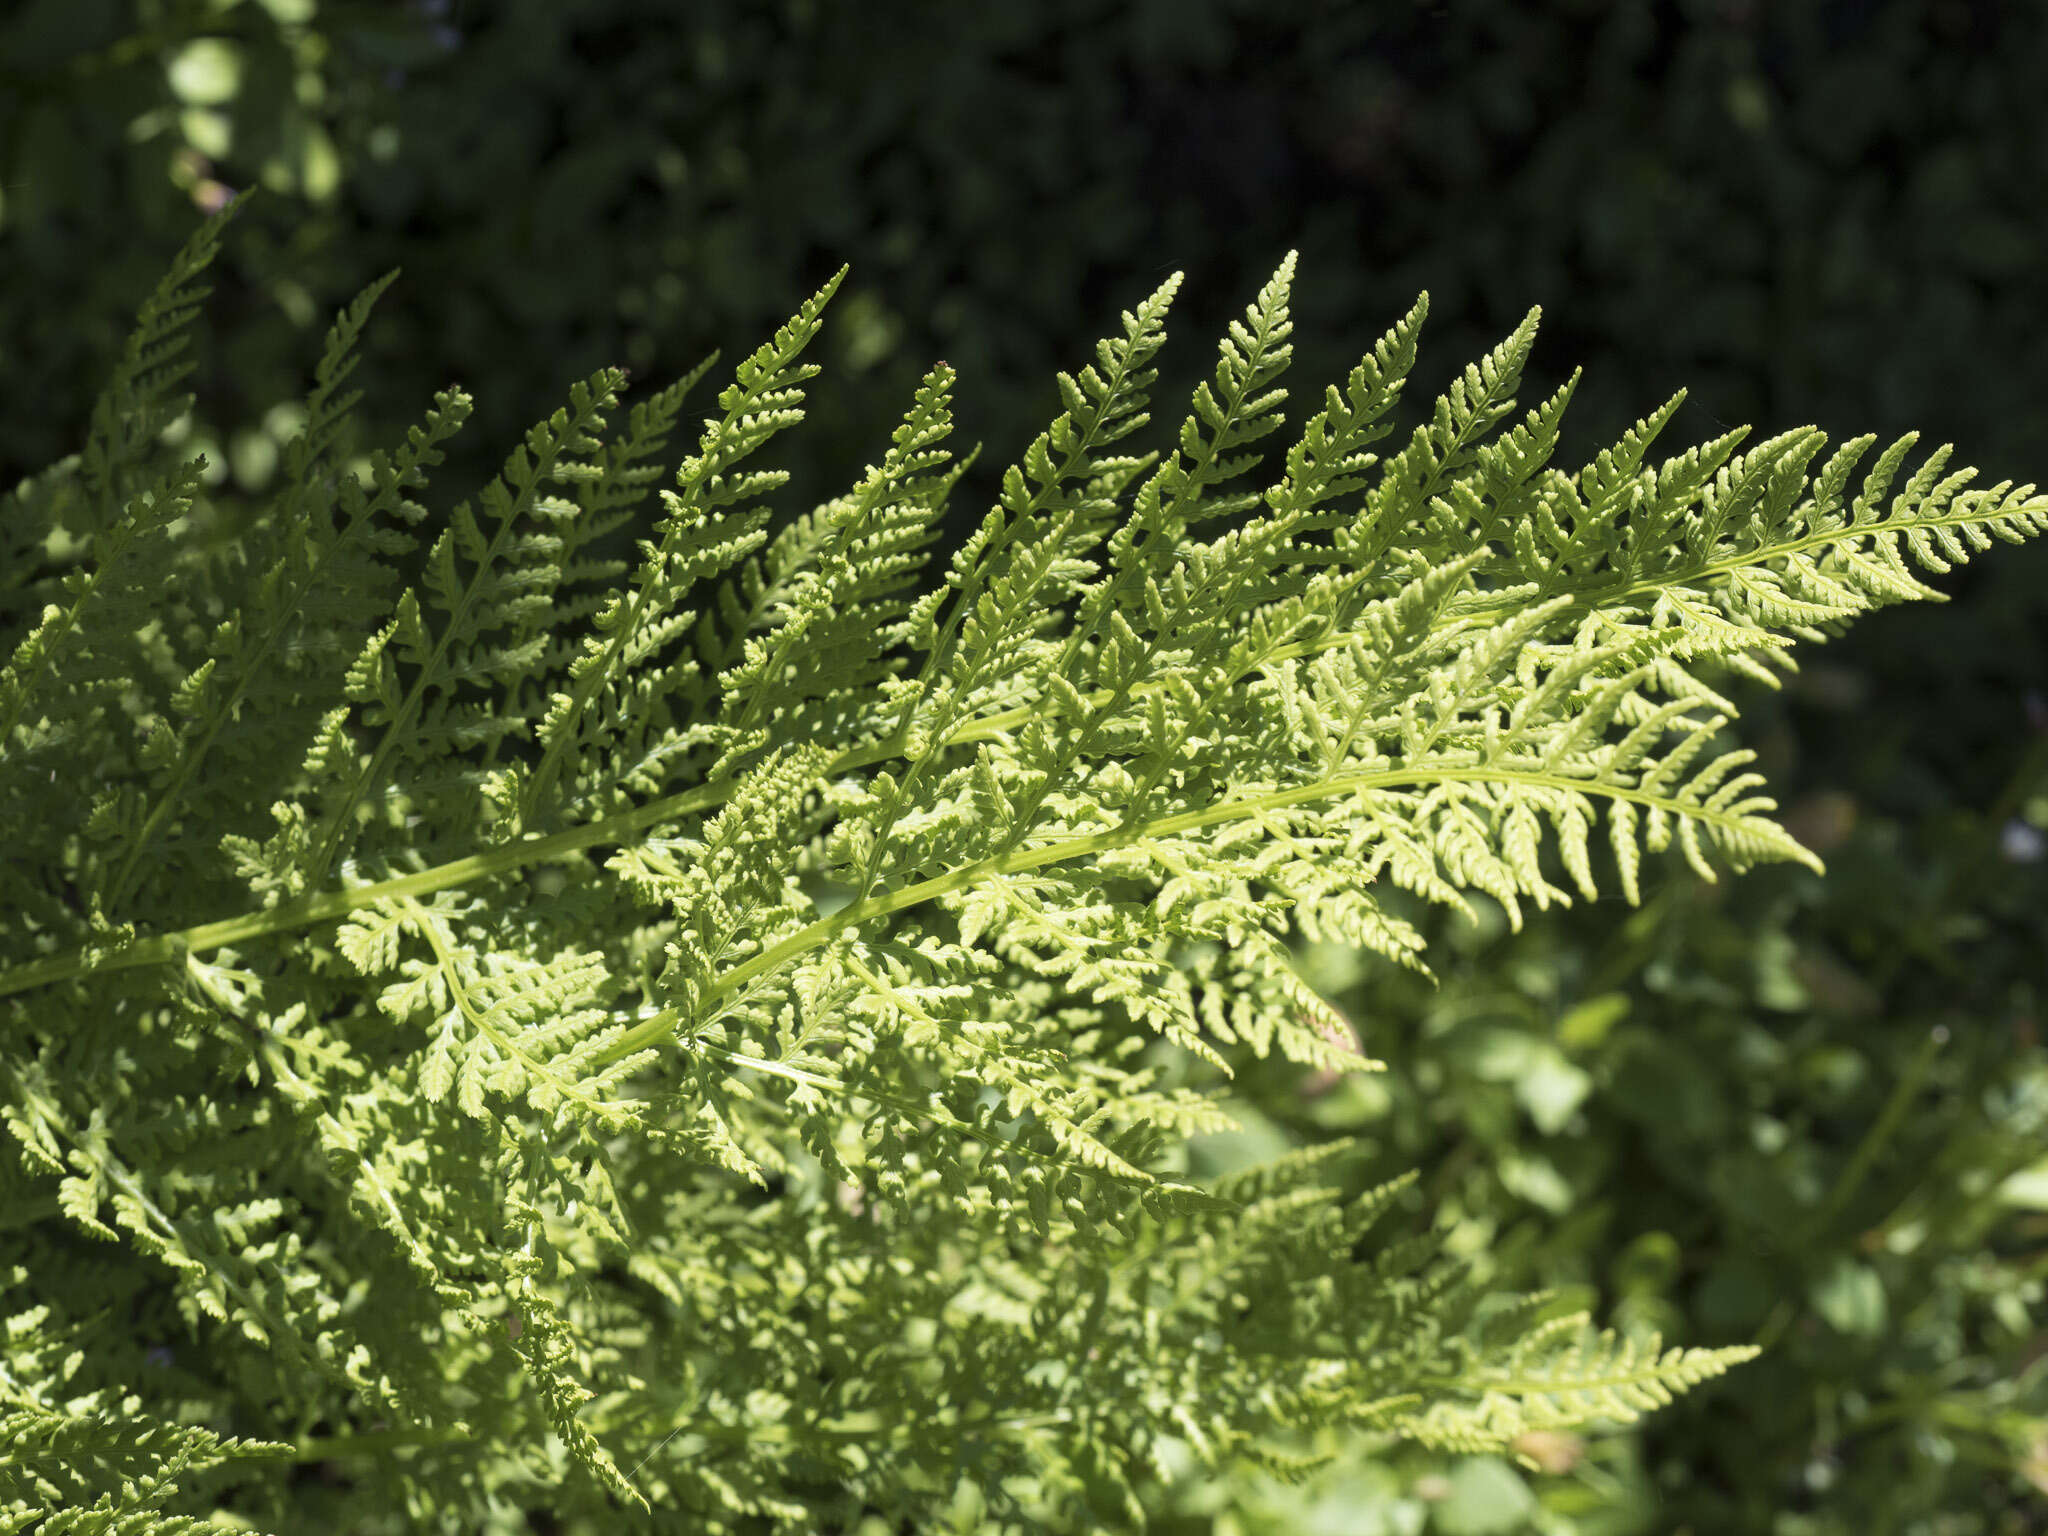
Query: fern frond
{"points": [[711, 1026], [322, 573], [490, 579], [842, 608], [138, 403], [619, 701], [64, 689], [1560, 1375], [105, 1471]]}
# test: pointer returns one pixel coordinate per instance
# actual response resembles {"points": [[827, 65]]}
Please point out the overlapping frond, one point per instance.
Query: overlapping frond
{"points": [[710, 1017], [618, 726], [105, 1472]]}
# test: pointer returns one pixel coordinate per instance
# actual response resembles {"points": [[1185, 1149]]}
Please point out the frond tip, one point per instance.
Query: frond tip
{"points": [[1563, 1375]]}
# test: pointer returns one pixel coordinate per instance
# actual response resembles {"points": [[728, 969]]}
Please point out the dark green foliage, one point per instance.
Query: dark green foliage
{"points": [[1857, 176]]}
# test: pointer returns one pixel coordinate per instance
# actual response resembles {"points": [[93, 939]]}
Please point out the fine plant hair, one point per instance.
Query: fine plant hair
{"points": [[608, 1001]]}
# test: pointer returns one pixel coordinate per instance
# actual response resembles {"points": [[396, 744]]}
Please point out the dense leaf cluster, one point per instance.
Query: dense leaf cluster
{"points": [[574, 1003]]}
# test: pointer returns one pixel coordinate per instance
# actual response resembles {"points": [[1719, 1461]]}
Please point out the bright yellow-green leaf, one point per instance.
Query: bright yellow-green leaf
{"points": [[206, 72]]}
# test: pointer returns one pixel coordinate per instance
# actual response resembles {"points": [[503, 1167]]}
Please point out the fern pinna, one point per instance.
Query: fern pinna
{"points": [[597, 999]]}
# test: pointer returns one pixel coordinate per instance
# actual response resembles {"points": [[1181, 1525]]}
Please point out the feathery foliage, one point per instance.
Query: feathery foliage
{"points": [[576, 1003]]}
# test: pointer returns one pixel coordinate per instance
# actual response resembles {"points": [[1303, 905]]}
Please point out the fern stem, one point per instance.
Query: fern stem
{"points": [[651, 1030], [1903, 1093], [330, 905]]}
